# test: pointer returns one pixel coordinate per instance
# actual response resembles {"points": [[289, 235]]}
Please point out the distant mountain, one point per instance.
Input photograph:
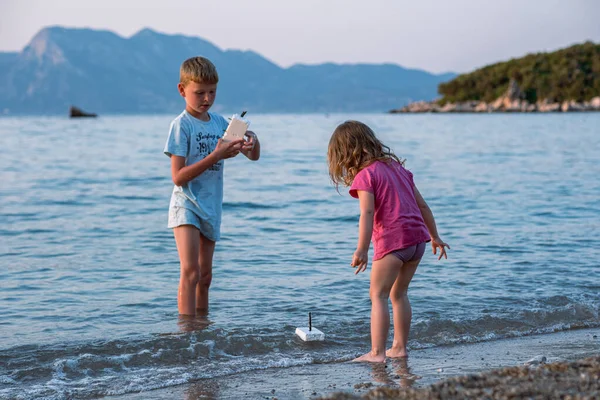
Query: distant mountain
{"points": [[103, 72]]}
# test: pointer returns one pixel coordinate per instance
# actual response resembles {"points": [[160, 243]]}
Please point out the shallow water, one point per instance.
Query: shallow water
{"points": [[89, 271]]}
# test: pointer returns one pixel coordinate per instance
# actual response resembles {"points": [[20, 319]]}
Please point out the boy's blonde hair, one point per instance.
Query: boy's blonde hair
{"points": [[199, 70], [352, 147]]}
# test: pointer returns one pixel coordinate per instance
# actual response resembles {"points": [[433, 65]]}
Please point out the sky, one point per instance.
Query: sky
{"points": [[434, 35]]}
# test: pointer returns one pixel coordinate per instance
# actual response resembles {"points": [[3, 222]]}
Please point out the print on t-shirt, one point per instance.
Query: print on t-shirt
{"points": [[206, 144]]}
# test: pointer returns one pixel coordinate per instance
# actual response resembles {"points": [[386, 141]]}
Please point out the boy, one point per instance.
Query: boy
{"points": [[197, 153]]}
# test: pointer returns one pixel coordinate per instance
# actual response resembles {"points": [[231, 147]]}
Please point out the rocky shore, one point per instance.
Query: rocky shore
{"points": [[560, 380], [512, 101]]}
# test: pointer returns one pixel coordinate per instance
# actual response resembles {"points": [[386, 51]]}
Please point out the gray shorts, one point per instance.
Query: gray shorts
{"points": [[411, 253], [182, 216]]}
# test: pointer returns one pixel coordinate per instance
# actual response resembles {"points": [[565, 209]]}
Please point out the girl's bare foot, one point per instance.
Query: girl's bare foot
{"points": [[370, 357], [396, 353]]}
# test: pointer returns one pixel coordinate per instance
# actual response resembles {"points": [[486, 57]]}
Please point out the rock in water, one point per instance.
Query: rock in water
{"points": [[75, 112]]}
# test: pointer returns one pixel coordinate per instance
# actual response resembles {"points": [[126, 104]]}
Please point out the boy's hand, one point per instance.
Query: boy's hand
{"points": [[251, 142], [360, 260], [436, 243], [225, 150]]}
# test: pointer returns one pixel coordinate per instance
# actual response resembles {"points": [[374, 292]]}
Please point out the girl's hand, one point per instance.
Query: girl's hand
{"points": [[439, 243], [251, 142], [360, 260], [225, 150]]}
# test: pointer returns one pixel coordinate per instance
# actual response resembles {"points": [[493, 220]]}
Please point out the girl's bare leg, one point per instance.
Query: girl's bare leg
{"points": [[188, 246], [384, 273], [401, 309], [205, 259]]}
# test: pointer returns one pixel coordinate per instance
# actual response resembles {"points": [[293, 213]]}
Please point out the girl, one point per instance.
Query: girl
{"points": [[395, 216]]}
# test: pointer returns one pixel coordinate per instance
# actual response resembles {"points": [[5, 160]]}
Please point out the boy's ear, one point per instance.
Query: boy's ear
{"points": [[181, 89]]}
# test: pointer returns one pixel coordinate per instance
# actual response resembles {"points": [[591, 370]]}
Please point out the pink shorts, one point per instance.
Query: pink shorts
{"points": [[411, 253]]}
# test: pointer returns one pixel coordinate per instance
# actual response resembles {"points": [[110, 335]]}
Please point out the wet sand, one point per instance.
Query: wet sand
{"points": [[424, 374], [559, 380]]}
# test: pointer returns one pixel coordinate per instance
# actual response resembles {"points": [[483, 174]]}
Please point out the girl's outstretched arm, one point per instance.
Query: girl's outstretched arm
{"points": [[436, 241], [365, 230]]}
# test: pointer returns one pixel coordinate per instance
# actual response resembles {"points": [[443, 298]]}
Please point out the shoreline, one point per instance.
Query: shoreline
{"points": [[347, 380], [501, 112], [512, 101], [504, 106]]}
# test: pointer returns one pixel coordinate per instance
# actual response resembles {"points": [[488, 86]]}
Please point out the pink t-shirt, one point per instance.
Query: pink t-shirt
{"points": [[397, 222]]}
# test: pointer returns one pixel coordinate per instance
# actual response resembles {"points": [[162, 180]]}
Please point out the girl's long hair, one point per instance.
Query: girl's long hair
{"points": [[352, 147]]}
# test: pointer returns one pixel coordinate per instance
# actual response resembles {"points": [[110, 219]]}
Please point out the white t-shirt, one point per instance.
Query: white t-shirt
{"points": [[195, 139]]}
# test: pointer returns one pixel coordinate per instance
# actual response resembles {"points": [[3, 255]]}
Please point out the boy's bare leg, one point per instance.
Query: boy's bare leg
{"points": [[401, 309], [205, 259], [383, 275], [188, 246]]}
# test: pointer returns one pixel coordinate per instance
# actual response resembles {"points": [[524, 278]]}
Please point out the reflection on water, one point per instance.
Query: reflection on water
{"points": [[404, 376], [398, 375], [193, 323], [380, 374], [205, 389]]}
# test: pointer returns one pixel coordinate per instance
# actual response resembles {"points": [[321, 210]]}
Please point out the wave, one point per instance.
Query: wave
{"points": [[113, 367]]}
